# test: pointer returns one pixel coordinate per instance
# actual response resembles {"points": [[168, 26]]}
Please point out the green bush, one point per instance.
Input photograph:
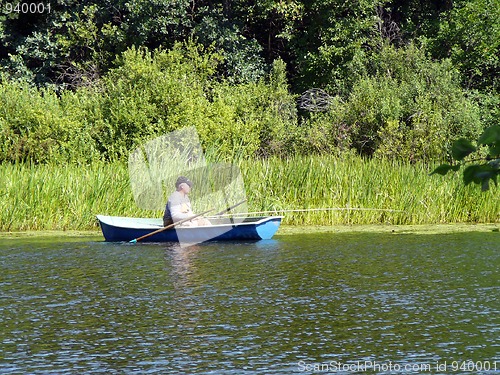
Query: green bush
{"points": [[409, 106], [325, 132], [152, 93], [252, 118], [148, 94], [36, 126], [405, 106]]}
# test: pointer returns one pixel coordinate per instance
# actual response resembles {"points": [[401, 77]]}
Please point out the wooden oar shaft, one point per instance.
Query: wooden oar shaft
{"points": [[169, 226]]}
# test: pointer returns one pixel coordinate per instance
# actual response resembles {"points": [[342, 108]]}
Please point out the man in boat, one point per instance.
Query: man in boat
{"points": [[179, 206]]}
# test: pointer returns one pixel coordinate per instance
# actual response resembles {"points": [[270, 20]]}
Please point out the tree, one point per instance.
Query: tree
{"points": [[219, 27], [331, 37], [480, 170], [470, 35], [77, 41]]}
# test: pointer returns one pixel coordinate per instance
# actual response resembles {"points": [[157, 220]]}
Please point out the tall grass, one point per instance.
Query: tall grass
{"points": [[64, 197], [55, 197], [354, 182]]}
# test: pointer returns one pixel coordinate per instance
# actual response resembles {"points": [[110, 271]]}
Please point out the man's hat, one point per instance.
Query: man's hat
{"points": [[183, 180]]}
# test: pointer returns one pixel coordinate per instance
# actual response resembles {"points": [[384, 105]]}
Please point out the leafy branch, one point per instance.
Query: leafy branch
{"points": [[488, 167]]}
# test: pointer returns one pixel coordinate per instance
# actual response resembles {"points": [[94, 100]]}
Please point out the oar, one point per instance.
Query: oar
{"points": [[168, 227], [230, 208]]}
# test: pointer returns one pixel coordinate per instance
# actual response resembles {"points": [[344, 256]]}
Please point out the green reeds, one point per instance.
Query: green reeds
{"points": [[62, 197], [353, 182], [67, 197]]}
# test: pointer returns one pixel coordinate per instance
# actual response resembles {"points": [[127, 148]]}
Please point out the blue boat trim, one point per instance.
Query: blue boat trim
{"points": [[119, 229]]}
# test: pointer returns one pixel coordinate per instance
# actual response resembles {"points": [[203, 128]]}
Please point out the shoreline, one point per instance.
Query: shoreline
{"points": [[389, 228], [288, 230]]}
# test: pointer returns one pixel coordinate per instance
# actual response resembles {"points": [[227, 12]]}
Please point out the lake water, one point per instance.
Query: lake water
{"points": [[300, 304]]}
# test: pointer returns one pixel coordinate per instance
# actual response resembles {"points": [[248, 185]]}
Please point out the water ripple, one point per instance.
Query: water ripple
{"points": [[72, 307]]}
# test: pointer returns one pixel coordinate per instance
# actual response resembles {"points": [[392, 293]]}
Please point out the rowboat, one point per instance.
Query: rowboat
{"points": [[117, 229]]}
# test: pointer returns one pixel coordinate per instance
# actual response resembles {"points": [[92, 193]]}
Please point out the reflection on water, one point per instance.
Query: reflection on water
{"points": [[295, 304]]}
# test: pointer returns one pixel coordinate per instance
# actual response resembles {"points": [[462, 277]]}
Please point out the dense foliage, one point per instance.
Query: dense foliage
{"points": [[91, 79], [480, 170]]}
